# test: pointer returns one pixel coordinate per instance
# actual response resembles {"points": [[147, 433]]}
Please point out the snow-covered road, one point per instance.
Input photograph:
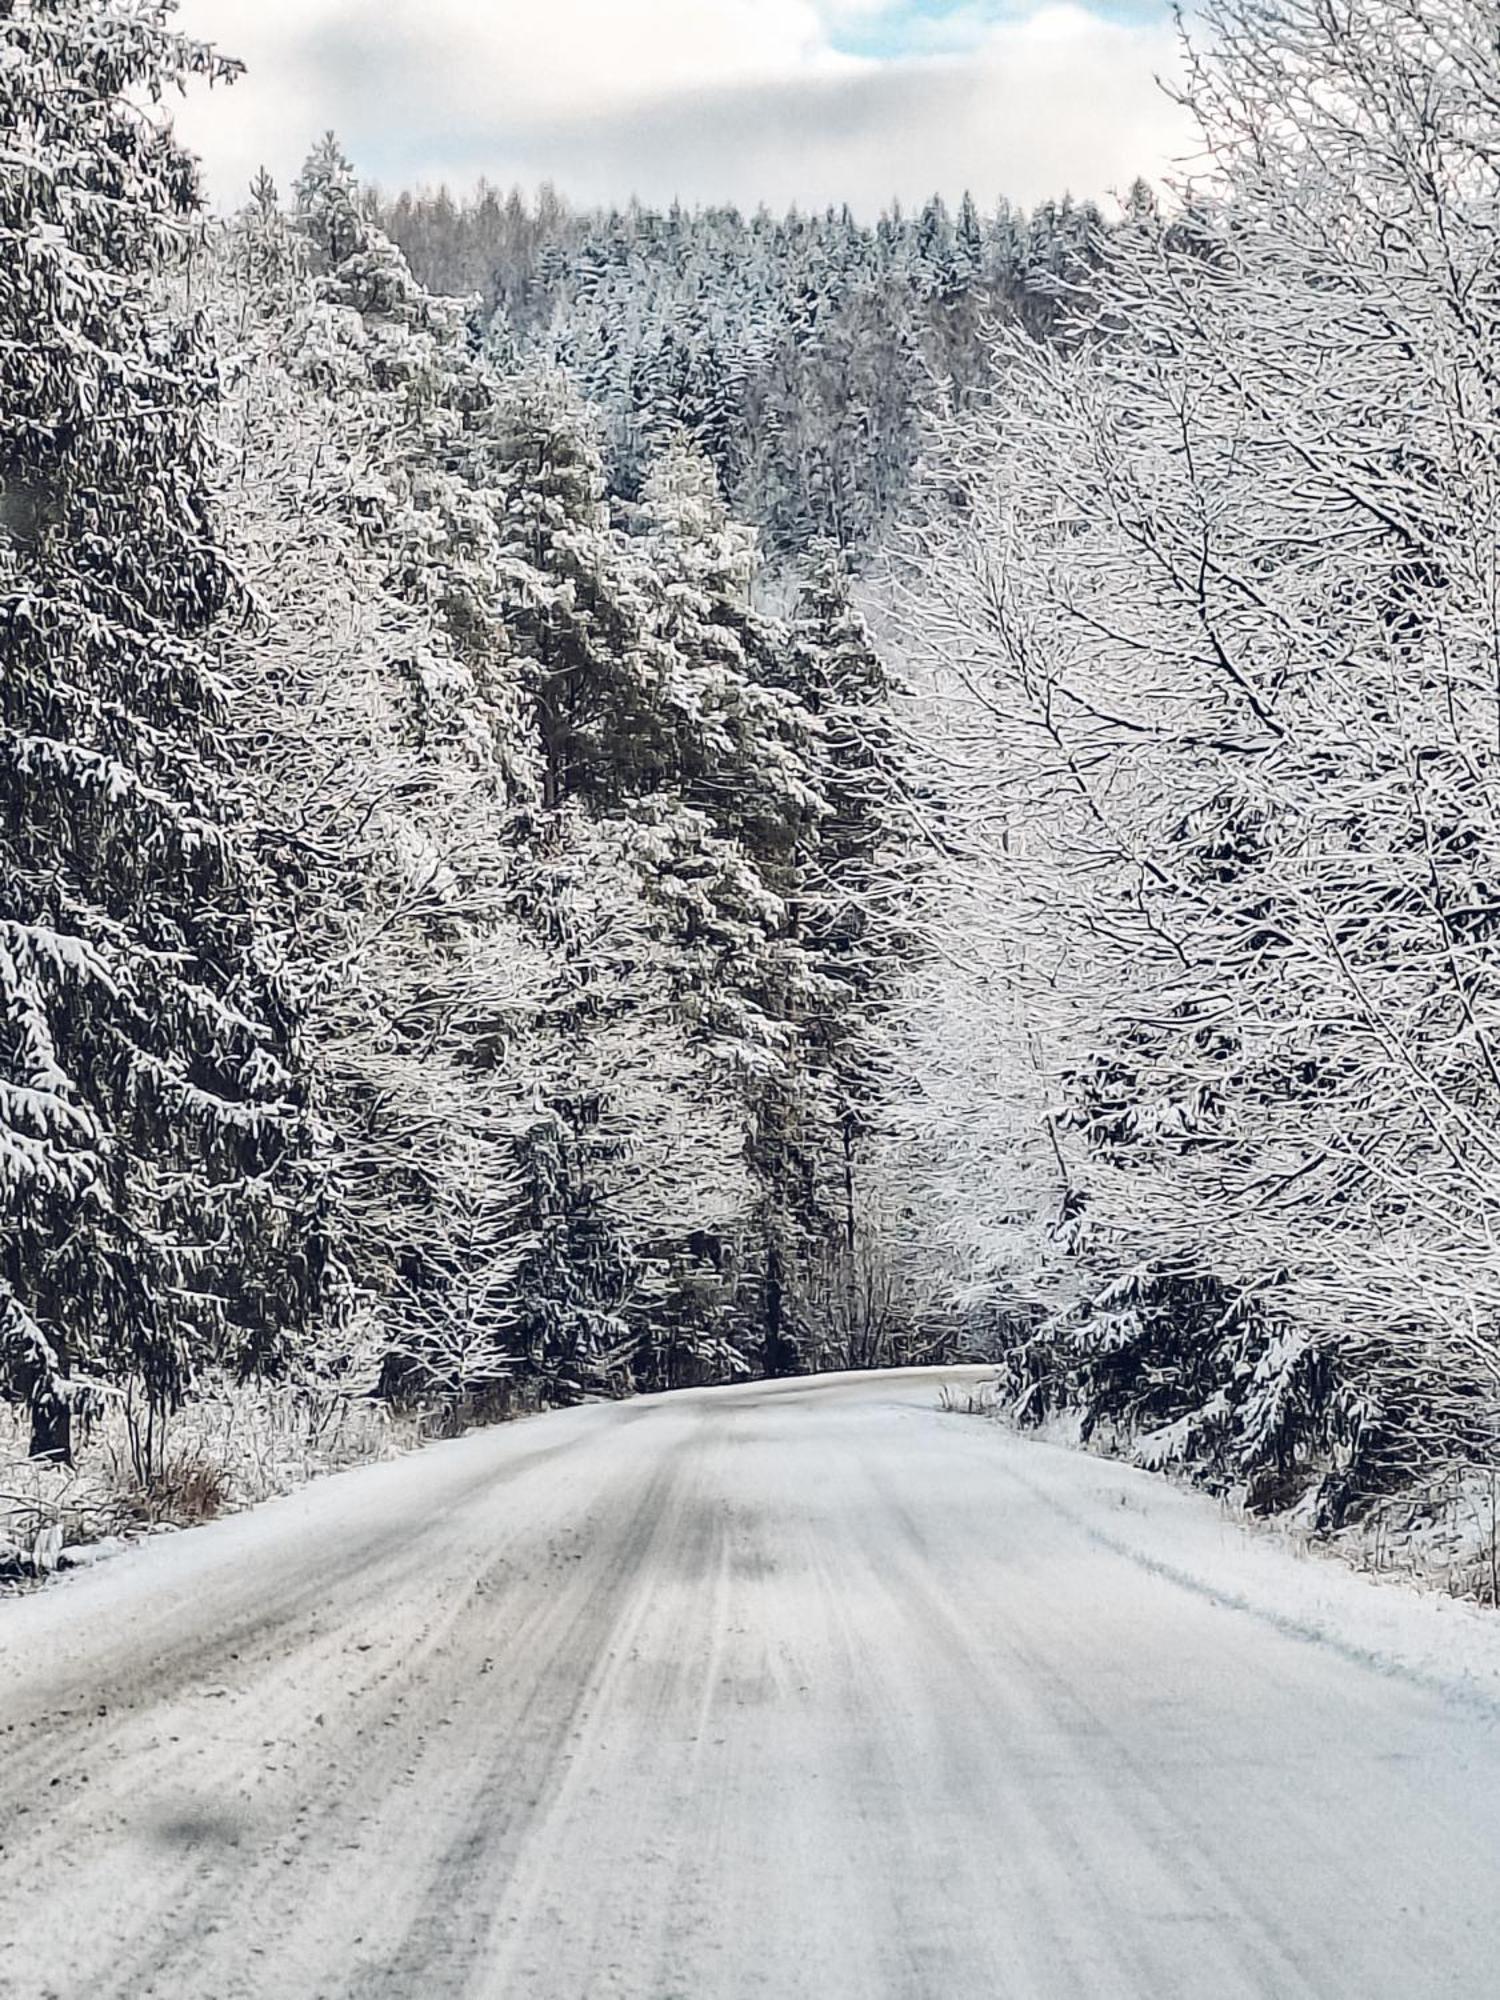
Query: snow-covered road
{"points": [[806, 1690]]}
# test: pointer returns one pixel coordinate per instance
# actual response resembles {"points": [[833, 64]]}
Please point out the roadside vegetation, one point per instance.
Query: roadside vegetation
{"points": [[597, 802]]}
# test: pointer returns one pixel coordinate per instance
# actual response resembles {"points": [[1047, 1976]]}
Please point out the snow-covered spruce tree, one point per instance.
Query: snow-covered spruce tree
{"points": [[859, 902], [151, 1215], [1222, 583], [744, 846]]}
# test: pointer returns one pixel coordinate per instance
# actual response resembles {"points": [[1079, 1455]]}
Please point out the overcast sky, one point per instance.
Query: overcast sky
{"points": [[782, 101]]}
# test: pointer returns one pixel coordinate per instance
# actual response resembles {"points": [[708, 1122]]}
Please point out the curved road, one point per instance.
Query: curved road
{"points": [[795, 1690]]}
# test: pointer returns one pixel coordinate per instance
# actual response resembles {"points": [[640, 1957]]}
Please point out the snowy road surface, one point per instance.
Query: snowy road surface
{"points": [[809, 1690]]}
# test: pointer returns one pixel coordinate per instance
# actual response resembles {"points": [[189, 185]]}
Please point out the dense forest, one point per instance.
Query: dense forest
{"points": [[450, 921], [604, 801], [803, 354]]}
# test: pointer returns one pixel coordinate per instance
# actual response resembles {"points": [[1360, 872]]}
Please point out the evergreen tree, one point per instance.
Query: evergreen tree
{"points": [[605, 695], [650, 739], [759, 806], [151, 1211], [858, 889]]}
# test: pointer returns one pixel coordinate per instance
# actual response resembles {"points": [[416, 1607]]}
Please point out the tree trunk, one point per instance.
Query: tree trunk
{"points": [[52, 1429], [779, 1355]]}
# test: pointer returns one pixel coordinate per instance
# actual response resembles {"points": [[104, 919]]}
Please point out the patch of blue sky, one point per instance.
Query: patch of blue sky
{"points": [[894, 28]]}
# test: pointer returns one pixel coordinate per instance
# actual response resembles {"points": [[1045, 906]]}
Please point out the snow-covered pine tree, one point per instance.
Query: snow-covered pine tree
{"points": [[858, 891], [151, 1215], [624, 726], [756, 808], [580, 626], [605, 693]]}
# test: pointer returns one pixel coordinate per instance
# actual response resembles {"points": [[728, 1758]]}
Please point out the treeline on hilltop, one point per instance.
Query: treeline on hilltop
{"points": [[803, 354], [446, 926]]}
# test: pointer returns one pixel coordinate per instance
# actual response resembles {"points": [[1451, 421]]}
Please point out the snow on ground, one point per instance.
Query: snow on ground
{"points": [[1269, 1569], [807, 1689]]}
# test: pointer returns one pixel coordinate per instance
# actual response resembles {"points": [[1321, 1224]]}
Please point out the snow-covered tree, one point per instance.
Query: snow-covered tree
{"points": [[1220, 580], [858, 892], [384, 761], [152, 1214], [757, 798]]}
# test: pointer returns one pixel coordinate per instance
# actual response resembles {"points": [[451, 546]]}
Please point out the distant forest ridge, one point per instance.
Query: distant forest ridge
{"points": [[799, 352]]}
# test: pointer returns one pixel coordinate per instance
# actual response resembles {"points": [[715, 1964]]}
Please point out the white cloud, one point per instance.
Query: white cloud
{"points": [[741, 100]]}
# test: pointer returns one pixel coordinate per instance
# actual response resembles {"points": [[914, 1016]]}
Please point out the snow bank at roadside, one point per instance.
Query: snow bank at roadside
{"points": [[1270, 1570]]}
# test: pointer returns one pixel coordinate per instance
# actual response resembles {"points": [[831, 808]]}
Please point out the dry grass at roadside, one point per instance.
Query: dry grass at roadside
{"points": [[978, 1402], [233, 1445]]}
